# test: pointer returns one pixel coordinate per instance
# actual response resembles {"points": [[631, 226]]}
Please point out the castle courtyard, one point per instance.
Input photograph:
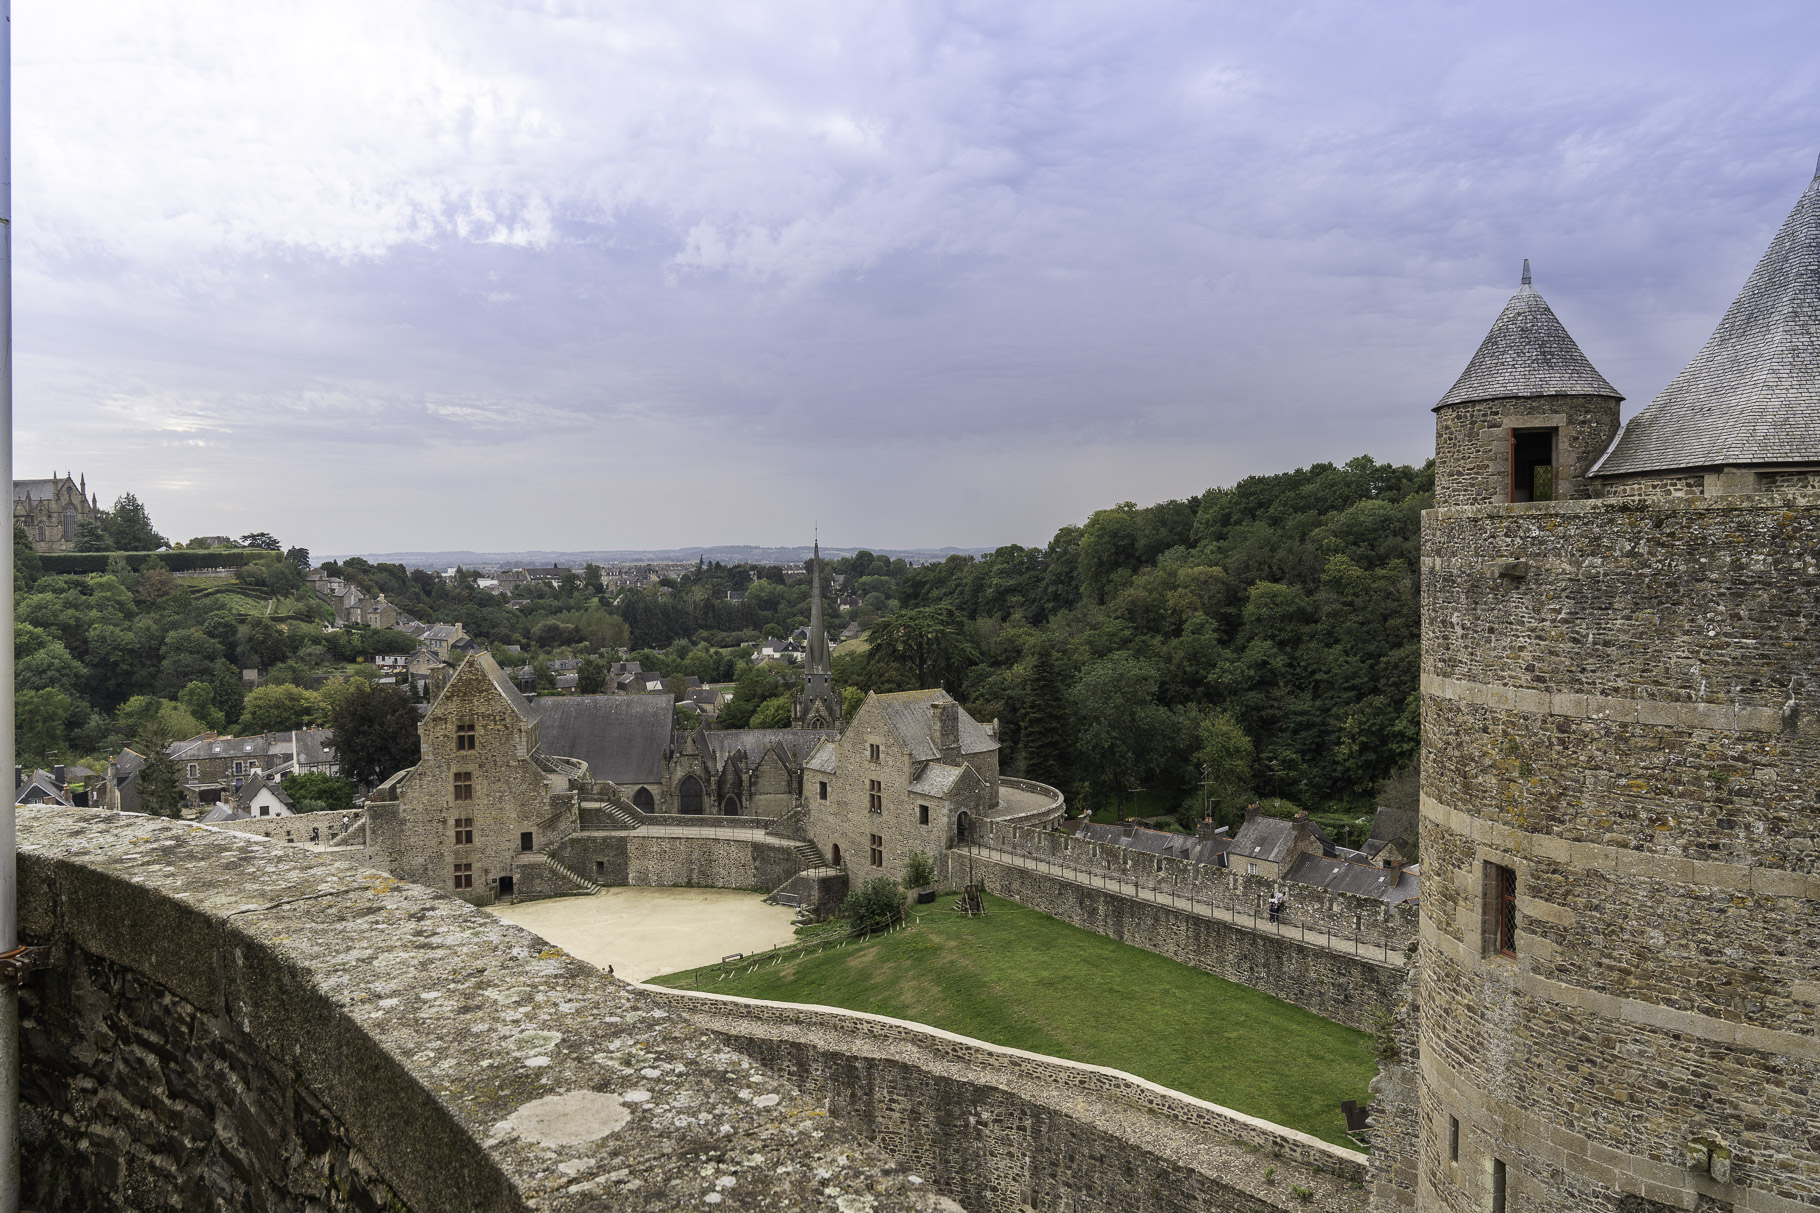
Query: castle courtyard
{"points": [[644, 932]]}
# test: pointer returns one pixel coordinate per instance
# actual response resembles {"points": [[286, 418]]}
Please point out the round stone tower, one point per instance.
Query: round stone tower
{"points": [[1620, 927]]}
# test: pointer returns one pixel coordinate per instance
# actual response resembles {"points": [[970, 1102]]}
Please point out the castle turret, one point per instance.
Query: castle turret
{"points": [[1619, 974], [1528, 416], [817, 705]]}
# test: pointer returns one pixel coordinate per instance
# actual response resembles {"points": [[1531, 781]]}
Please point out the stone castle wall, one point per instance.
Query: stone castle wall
{"points": [[295, 828], [1001, 1130], [1350, 989], [1621, 706], [1472, 444], [1374, 923], [229, 1023], [633, 857]]}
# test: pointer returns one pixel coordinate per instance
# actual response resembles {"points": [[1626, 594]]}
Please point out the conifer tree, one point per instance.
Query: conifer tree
{"points": [[1044, 718], [160, 789], [130, 527]]}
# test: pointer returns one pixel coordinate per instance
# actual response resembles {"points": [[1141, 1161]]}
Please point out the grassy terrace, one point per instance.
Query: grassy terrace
{"points": [[1024, 979]]}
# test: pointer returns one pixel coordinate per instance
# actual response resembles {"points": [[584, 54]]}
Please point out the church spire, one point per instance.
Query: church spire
{"points": [[818, 634], [817, 704]]}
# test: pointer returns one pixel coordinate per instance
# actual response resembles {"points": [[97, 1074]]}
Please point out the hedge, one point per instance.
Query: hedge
{"points": [[176, 562]]}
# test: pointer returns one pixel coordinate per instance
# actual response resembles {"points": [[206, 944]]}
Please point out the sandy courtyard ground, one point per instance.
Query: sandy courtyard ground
{"points": [[645, 932]]}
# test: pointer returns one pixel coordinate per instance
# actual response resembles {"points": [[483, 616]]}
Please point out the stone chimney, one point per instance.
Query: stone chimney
{"points": [[57, 774], [1251, 811], [945, 729]]}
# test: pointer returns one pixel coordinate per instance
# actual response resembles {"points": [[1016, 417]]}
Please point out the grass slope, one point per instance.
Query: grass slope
{"points": [[1024, 979]]}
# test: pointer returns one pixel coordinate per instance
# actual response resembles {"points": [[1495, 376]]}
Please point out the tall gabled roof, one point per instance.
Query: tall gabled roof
{"points": [[1527, 353], [622, 738], [908, 712], [1752, 393]]}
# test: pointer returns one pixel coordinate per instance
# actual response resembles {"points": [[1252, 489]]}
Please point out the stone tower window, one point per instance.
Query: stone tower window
{"points": [[464, 785], [464, 734], [1532, 465], [872, 752], [922, 814], [1500, 909], [464, 875], [821, 789], [1497, 1185], [876, 847], [1453, 1139], [875, 796], [464, 831]]}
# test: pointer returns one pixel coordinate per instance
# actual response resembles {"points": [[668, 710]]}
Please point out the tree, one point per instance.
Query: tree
{"points": [[875, 905], [1043, 720], [1226, 758], [773, 713], [300, 557], [261, 540], [919, 871], [39, 718], [92, 536], [261, 644], [332, 792], [279, 709], [1120, 725], [50, 666], [130, 528], [591, 676], [155, 582], [27, 568], [198, 699], [189, 655], [374, 732], [931, 642], [160, 789], [685, 719]]}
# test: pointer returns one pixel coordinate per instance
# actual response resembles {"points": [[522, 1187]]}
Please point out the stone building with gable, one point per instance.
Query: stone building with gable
{"points": [[740, 772], [50, 510], [912, 772], [1619, 979]]}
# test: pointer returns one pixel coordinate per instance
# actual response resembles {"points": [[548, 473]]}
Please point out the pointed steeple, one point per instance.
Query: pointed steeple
{"points": [[1528, 352], [819, 662], [1752, 393], [817, 705]]}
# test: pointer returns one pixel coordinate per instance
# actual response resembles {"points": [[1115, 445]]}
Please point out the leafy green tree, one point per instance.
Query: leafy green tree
{"points": [[261, 540], [686, 719], [1226, 757], [92, 536], [155, 582], [143, 713], [545, 676], [1120, 726], [189, 655], [261, 644], [931, 642], [277, 709], [851, 700], [332, 792], [374, 732], [160, 788], [130, 528], [754, 686], [198, 699], [591, 675], [773, 713], [39, 718], [51, 666], [27, 568], [875, 905], [919, 871]]}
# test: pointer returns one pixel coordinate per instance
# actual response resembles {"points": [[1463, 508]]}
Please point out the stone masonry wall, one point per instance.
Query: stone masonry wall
{"points": [[1345, 988], [1003, 1130], [295, 828], [234, 1024], [1621, 709], [1369, 919], [632, 857], [1472, 444]]}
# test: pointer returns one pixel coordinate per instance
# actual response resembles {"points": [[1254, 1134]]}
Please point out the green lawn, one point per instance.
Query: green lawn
{"points": [[1016, 977]]}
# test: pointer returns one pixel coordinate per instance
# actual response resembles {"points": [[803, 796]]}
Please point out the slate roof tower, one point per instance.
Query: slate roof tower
{"points": [[817, 705], [1619, 974], [1527, 417]]}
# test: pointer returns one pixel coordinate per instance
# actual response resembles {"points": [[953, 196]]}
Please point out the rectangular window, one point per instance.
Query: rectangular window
{"points": [[1251, 869], [464, 831], [875, 796], [265, 810], [524, 841], [922, 814], [822, 789], [239, 768], [464, 735], [872, 751], [878, 850], [1497, 1185], [1500, 909], [464, 875], [464, 785], [1453, 1139], [192, 770], [1532, 465]]}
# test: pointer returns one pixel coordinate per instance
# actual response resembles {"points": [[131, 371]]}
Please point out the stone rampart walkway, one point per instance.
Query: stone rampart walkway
{"points": [[1379, 950]]}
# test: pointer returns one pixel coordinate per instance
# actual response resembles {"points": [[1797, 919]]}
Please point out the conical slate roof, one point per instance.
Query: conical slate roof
{"points": [[1752, 393], [1527, 353]]}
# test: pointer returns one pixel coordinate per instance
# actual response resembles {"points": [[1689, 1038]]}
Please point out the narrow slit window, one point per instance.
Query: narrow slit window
{"points": [[1498, 1181], [1501, 909], [1453, 1139], [875, 796], [922, 814]]}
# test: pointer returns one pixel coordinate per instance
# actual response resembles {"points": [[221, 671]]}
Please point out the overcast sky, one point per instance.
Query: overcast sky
{"points": [[402, 275]]}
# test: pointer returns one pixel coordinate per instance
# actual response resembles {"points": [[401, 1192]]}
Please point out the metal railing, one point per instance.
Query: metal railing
{"points": [[1287, 925]]}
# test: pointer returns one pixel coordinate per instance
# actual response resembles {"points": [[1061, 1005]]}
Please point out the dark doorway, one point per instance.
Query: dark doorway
{"points": [[837, 854], [730, 807], [644, 801], [690, 795], [505, 886], [1532, 465], [524, 841], [961, 823]]}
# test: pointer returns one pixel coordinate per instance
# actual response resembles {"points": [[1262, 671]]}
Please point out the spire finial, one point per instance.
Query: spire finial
{"points": [[1526, 271], [1817, 170]]}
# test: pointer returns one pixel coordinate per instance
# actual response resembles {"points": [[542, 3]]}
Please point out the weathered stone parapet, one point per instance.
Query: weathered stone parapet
{"points": [[296, 827], [1029, 1115], [231, 1023]]}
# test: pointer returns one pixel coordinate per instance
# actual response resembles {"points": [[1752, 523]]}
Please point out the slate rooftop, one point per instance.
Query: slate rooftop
{"points": [[1752, 393], [1527, 353]]}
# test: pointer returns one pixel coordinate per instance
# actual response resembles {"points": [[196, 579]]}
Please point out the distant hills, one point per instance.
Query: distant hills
{"points": [[725, 554]]}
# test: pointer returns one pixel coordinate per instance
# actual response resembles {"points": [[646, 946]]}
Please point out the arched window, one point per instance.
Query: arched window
{"points": [[690, 791], [644, 801], [730, 807], [69, 524], [837, 854]]}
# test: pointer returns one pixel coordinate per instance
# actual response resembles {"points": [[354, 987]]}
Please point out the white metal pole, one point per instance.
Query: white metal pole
{"points": [[9, 883]]}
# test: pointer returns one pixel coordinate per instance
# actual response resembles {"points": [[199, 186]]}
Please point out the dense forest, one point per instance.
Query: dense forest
{"points": [[1257, 640]]}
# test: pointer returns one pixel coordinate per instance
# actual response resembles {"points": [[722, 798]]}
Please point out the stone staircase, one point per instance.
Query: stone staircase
{"points": [[567, 875], [610, 814], [809, 857]]}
